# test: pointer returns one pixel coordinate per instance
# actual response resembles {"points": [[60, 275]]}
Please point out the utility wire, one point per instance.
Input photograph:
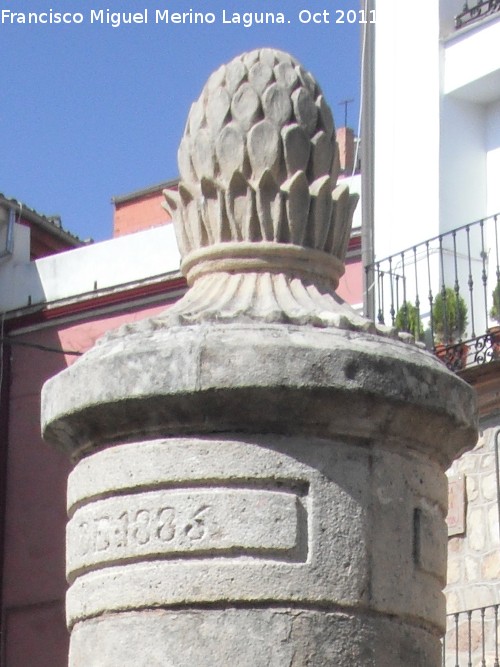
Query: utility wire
{"points": [[36, 346]]}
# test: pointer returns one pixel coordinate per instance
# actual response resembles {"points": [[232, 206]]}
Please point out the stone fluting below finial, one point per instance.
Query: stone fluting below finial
{"points": [[265, 297]]}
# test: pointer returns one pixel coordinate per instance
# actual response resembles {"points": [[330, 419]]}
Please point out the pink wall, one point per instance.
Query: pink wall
{"points": [[138, 214], [351, 284], [34, 632]]}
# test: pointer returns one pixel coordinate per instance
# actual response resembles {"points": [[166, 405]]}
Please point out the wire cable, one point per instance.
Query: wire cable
{"points": [[36, 346]]}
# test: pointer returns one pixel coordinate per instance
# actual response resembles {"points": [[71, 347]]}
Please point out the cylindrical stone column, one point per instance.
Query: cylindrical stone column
{"points": [[259, 473]]}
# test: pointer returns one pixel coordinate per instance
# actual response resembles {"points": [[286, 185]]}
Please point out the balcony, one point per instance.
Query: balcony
{"points": [[476, 11], [445, 291], [472, 638]]}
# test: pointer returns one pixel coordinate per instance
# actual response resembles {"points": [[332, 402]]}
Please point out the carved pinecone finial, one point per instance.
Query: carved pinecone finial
{"points": [[259, 161], [261, 224]]}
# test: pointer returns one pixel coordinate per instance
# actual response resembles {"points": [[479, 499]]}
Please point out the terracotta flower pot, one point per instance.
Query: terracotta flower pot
{"points": [[453, 356], [494, 334]]}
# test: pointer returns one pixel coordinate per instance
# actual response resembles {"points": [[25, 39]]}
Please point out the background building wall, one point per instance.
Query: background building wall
{"points": [[473, 580], [474, 556], [437, 168], [493, 156], [34, 583], [407, 75], [140, 210], [462, 163]]}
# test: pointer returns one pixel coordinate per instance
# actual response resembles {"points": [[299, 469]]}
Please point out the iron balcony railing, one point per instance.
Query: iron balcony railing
{"points": [[473, 11], [471, 638], [445, 291]]}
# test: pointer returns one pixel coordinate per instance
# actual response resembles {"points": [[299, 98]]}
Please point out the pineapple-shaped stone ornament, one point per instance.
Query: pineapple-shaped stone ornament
{"points": [[261, 223]]}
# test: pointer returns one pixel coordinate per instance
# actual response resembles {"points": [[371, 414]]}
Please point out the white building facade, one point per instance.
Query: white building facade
{"points": [[436, 150], [434, 78], [437, 121]]}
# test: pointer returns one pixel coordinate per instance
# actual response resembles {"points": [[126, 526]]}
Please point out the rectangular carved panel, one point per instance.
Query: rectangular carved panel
{"points": [[201, 523]]}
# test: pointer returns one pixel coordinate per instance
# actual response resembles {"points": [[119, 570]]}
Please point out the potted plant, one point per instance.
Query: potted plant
{"points": [[449, 319], [494, 331], [408, 319]]}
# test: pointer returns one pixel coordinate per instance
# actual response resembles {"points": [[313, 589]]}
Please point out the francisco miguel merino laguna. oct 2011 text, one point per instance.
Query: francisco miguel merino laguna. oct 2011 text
{"points": [[167, 17]]}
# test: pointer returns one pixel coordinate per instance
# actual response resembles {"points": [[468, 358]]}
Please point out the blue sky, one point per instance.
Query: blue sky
{"points": [[90, 111]]}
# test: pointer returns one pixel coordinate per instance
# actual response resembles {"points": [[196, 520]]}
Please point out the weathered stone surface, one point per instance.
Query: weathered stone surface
{"points": [[491, 567], [258, 472], [367, 495], [454, 570], [493, 525], [476, 583], [247, 378], [476, 523], [267, 84], [471, 566], [261, 138], [241, 520], [167, 524], [278, 637], [489, 486]]}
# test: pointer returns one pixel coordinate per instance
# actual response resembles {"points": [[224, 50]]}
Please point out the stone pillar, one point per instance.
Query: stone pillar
{"points": [[259, 471]]}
